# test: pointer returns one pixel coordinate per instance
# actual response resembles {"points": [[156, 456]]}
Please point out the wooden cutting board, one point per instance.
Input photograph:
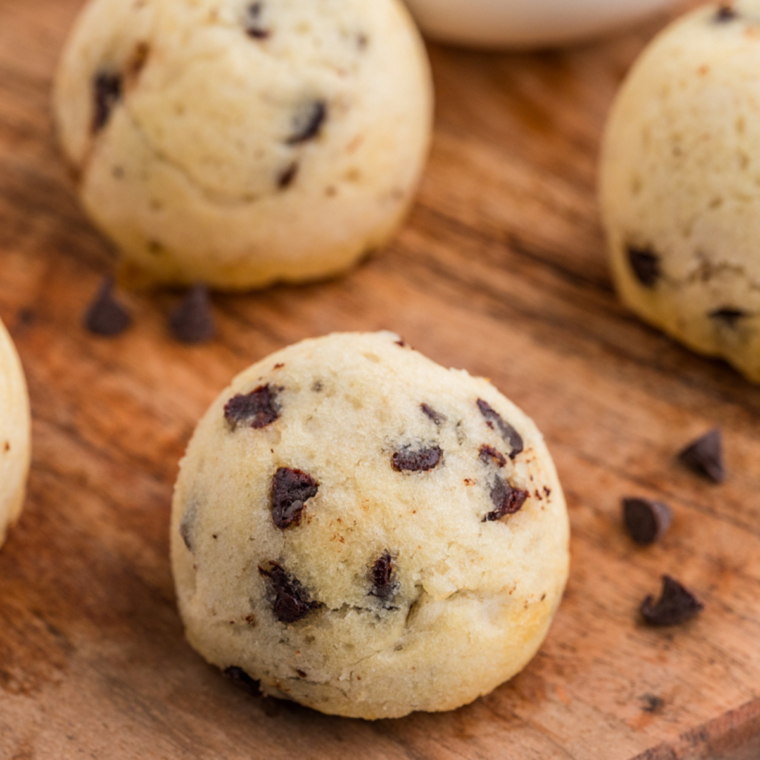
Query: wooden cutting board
{"points": [[500, 269]]}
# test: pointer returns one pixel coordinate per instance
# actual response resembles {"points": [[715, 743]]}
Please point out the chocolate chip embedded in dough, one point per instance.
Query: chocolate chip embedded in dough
{"points": [[291, 601], [257, 409], [187, 525], [646, 520], [490, 455], [726, 12], [431, 413], [308, 122], [506, 499], [381, 576], [416, 460], [676, 605], [253, 24], [645, 264], [508, 433], [728, 316], [291, 489], [106, 93], [705, 456], [287, 176]]}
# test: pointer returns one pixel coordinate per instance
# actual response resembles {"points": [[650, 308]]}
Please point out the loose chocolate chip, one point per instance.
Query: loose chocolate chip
{"points": [[508, 433], [258, 408], [105, 315], [192, 321], [489, 454], [253, 26], [287, 175], [291, 602], [646, 520], [728, 316], [409, 459], [291, 489], [308, 122], [381, 576], [645, 265], [506, 499], [726, 12], [106, 92], [652, 704], [241, 679], [675, 605], [705, 456], [437, 417]]}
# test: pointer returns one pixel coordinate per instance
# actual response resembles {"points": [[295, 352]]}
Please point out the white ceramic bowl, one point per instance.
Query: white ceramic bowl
{"points": [[526, 23]]}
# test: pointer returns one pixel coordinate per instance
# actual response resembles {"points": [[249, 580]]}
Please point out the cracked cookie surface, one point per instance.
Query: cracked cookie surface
{"points": [[238, 143], [680, 184], [15, 434], [393, 539]]}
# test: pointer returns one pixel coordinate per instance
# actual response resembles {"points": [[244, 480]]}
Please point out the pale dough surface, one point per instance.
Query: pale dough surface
{"points": [[680, 181], [243, 143], [470, 600], [15, 434]]}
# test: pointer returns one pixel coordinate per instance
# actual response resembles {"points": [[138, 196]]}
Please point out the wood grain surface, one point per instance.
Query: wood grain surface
{"points": [[500, 269]]}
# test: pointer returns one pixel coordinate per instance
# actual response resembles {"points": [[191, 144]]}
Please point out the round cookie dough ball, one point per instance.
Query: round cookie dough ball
{"points": [[680, 184], [367, 533], [241, 143], [15, 434]]}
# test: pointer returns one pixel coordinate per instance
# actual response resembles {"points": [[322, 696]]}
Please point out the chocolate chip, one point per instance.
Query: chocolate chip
{"points": [[287, 175], [676, 605], [409, 459], [106, 93], [652, 704], [381, 576], [728, 316], [308, 122], [291, 489], [645, 264], [301, 673], [506, 499], [291, 602], [429, 412], [705, 456], [726, 12], [258, 408], [646, 520], [105, 315], [187, 524], [489, 454], [253, 25], [508, 433], [192, 321], [242, 680]]}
